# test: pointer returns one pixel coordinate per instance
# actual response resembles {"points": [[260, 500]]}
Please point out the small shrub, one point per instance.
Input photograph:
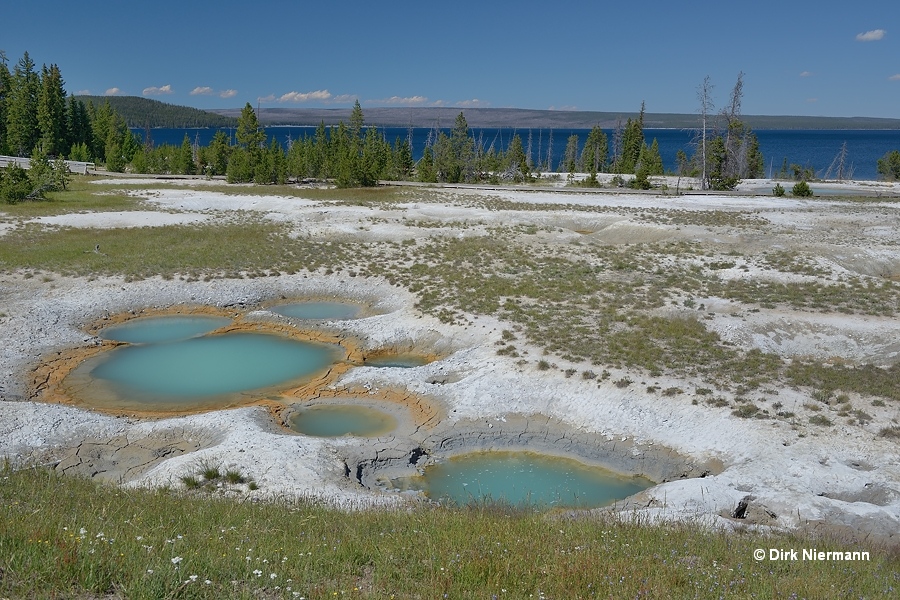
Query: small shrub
{"points": [[623, 383], [801, 189], [778, 190], [543, 365], [820, 420], [234, 477], [672, 391], [190, 482], [745, 411], [570, 372], [588, 375], [892, 432], [823, 396]]}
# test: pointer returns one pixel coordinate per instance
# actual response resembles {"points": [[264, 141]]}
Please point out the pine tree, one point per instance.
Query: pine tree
{"points": [[570, 157], [249, 134], [52, 112], [462, 152], [5, 89], [21, 117], [184, 159], [594, 153], [632, 142], [78, 127]]}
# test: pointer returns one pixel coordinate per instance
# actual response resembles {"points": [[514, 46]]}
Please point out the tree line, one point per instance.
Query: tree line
{"points": [[39, 121], [145, 112]]}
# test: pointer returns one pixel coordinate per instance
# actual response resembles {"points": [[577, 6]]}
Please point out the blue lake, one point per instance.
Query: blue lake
{"points": [[815, 148]]}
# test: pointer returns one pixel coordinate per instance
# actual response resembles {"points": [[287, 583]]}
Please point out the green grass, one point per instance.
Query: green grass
{"points": [[81, 196], [70, 538]]}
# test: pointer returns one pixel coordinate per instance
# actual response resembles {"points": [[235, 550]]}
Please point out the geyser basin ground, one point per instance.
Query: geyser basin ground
{"points": [[522, 478], [196, 373], [800, 472]]}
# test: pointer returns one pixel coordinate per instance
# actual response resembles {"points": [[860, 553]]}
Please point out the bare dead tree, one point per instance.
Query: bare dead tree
{"points": [[735, 146], [704, 95]]}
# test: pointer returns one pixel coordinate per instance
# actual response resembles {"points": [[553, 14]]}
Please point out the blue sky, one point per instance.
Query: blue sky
{"points": [[815, 57]]}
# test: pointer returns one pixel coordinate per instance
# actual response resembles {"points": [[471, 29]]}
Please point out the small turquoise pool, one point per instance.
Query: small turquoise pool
{"points": [[522, 478], [154, 330], [319, 310], [190, 373], [335, 420]]}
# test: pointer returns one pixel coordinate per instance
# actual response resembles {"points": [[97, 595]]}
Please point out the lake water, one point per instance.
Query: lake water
{"points": [[522, 478], [815, 148]]}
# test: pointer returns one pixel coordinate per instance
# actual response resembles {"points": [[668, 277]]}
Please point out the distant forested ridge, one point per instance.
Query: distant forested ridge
{"points": [[143, 112], [523, 118]]}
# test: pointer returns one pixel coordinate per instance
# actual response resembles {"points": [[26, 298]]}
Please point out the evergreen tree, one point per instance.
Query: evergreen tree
{"points": [[889, 165], [249, 134], [78, 127], [632, 142], [21, 117], [594, 153], [403, 162], [184, 159], [650, 159], [517, 161], [217, 155], [425, 169], [5, 90], [570, 157], [52, 112], [460, 165]]}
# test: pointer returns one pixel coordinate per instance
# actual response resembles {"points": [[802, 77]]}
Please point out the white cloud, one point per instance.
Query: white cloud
{"points": [[228, 93], [894, 77], [473, 103], [157, 91], [806, 74], [269, 98], [202, 91], [113, 91], [344, 99], [400, 101], [83, 93], [317, 96], [871, 36]]}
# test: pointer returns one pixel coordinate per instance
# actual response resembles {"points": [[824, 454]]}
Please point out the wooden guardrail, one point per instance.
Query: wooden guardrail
{"points": [[74, 166]]}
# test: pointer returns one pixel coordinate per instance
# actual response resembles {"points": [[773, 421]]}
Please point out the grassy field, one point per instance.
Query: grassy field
{"points": [[70, 538]]}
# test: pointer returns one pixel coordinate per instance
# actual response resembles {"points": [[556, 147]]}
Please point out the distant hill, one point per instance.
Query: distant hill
{"points": [[521, 118], [143, 112]]}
